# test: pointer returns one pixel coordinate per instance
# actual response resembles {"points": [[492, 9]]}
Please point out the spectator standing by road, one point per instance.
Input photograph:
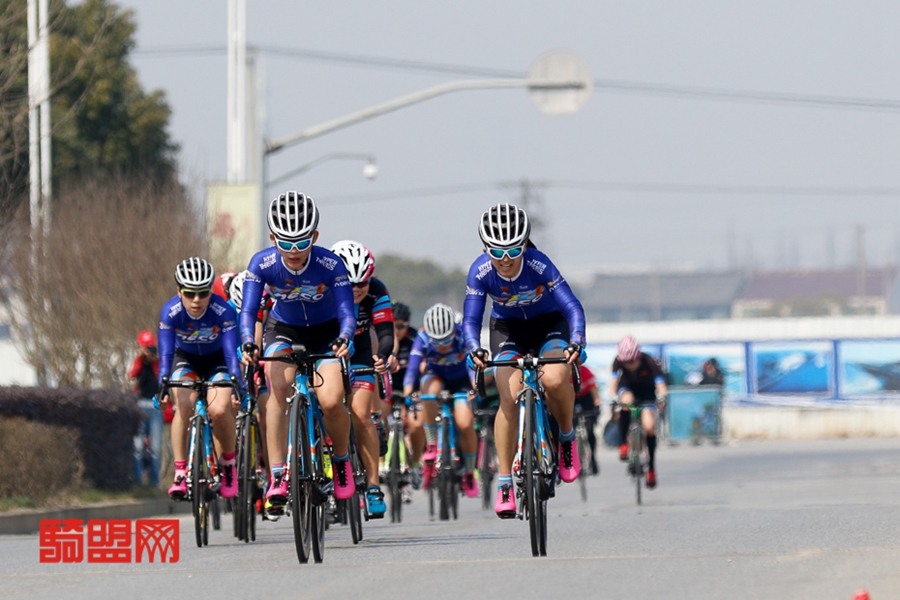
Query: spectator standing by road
{"points": [[712, 375], [145, 373]]}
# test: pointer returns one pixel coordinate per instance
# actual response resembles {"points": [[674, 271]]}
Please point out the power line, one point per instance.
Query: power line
{"points": [[608, 85], [626, 186]]}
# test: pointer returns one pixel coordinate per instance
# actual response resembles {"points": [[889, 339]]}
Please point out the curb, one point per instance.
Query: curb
{"points": [[25, 523]]}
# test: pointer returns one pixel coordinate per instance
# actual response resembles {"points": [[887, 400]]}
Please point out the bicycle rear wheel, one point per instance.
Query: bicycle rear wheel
{"points": [[248, 482], [487, 466], [445, 474], [584, 454], [637, 465], [301, 513], [394, 472], [318, 508], [533, 503], [198, 492]]}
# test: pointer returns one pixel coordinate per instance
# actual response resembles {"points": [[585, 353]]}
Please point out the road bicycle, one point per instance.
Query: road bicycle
{"points": [[250, 472], [396, 457], [305, 469], [638, 460], [203, 476], [535, 467]]}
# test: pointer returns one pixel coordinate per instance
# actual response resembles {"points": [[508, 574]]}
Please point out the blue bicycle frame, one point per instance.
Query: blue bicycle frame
{"points": [[447, 413]]}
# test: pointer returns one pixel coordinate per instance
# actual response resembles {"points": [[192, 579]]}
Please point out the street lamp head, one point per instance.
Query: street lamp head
{"points": [[370, 170]]}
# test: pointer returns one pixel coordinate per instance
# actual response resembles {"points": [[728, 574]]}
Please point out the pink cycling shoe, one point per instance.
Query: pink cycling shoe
{"points": [[429, 472], [506, 502], [469, 486], [430, 452], [178, 491], [229, 487], [344, 485], [277, 495], [569, 462]]}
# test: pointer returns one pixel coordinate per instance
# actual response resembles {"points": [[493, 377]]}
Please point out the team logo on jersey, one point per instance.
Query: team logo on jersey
{"points": [[559, 279], [306, 293], [447, 360], [328, 263], [253, 277], [176, 310], [522, 298], [268, 261], [473, 292], [484, 270], [200, 336], [537, 266], [219, 310]]}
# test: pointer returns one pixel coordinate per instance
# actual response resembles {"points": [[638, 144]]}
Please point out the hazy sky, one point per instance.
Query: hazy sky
{"points": [[488, 137]]}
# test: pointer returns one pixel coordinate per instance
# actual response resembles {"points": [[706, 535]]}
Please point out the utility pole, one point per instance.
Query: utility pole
{"points": [[40, 165], [237, 91], [531, 200]]}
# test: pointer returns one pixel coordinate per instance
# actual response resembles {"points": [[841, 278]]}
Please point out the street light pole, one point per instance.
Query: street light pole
{"points": [[370, 171]]}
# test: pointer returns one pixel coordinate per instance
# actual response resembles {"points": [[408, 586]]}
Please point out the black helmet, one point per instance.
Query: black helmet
{"points": [[401, 312]]}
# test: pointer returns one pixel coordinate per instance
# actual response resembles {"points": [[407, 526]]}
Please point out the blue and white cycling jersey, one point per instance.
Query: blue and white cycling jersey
{"points": [[318, 293], [449, 364], [214, 330], [538, 289]]}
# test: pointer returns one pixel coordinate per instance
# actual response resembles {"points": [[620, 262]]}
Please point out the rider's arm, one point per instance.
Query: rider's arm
{"points": [[473, 308], [383, 323], [567, 303], [614, 387], [253, 289], [230, 342], [416, 355], [166, 338], [343, 298]]}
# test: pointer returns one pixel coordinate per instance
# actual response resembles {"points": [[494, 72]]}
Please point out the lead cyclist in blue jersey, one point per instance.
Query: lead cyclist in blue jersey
{"points": [[313, 307], [198, 339], [534, 311]]}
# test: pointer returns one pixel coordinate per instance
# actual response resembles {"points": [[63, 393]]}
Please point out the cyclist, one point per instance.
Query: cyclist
{"points": [[589, 400], [534, 311], [313, 307], [637, 378], [373, 311], [198, 339], [222, 285], [404, 337], [440, 345]]}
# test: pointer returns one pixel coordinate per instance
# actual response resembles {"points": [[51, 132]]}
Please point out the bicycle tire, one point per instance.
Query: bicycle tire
{"points": [[445, 486], [198, 495], [301, 513], [356, 512], [394, 473], [637, 472], [531, 482], [318, 509], [488, 462], [355, 517], [247, 482], [216, 514], [582, 476], [256, 487], [237, 514]]}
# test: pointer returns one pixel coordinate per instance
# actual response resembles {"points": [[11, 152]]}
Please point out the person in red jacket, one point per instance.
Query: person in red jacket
{"points": [[145, 373]]}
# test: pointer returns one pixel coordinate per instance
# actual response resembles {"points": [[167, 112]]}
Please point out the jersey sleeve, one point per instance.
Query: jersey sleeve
{"points": [[343, 298], [416, 355], [567, 303], [227, 321], [473, 308], [253, 290], [166, 339]]}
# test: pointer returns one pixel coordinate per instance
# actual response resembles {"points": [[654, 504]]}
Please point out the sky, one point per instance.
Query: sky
{"points": [[634, 180]]}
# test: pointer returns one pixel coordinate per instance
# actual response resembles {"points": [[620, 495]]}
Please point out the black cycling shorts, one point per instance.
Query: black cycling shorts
{"points": [[279, 337], [514, 338], [211, 367]]}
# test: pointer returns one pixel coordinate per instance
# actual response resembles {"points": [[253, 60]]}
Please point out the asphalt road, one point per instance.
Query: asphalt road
{"points": [[765, 520]]}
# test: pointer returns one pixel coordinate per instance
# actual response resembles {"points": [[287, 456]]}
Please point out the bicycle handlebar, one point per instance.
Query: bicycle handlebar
{"points": [[300, 357], [380, 378], [197, 384], [444, 397], [526, 362]]}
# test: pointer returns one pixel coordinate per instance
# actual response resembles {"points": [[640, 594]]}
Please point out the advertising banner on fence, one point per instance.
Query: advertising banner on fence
{"points": [[685, 365]]}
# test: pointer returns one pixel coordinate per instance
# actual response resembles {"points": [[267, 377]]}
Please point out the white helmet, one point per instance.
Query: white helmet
{"points": [[236, 291], [504, 226], [357, 258], [195, 274], [293, 216], [440, 322]]}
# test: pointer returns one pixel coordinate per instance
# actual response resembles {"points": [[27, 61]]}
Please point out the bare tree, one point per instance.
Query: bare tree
{"points": [[101, 276]]}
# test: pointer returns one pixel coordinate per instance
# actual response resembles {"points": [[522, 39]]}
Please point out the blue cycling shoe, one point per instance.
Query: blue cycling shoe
{"points": [[375, 502]]}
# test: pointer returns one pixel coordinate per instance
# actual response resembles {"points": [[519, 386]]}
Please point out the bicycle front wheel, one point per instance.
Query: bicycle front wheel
{"points": [[445, 475], [394, 472], [637, 465], [318, 508], [237, 511], [533, 503], [300, 480], [198, 491], [487, 465], [584, 454]]}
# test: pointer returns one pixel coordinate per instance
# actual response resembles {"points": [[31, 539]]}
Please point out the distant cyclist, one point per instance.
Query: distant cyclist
{"points": [[313, 307], [534, 311], [404, 337], [373, 312], [638, 379], [198, 338], [440, 346]]}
